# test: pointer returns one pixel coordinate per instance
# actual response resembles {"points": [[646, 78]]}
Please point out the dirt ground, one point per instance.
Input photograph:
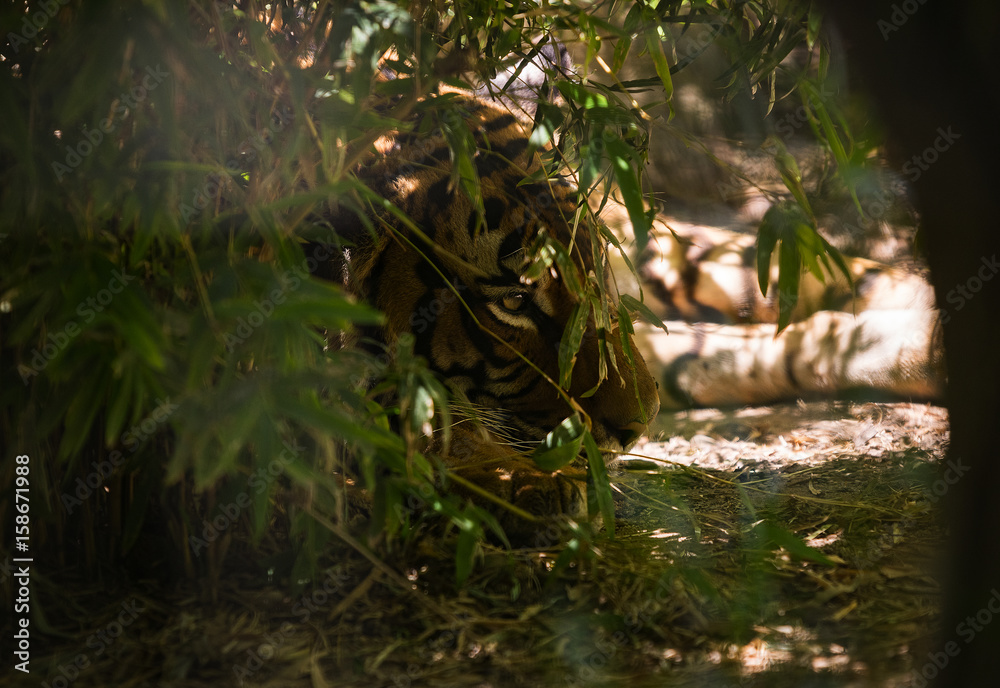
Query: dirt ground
{"points": [[786, 546]]}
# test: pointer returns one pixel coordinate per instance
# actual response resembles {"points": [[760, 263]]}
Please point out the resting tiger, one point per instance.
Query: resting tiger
{"points": [[489, 322], [881, 335], [465, 282]]}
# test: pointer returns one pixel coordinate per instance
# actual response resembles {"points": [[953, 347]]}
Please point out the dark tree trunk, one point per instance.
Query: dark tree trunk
{"points": [[932, 69]]}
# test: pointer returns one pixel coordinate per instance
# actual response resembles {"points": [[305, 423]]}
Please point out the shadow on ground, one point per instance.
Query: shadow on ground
{"points": [[788, 546]]}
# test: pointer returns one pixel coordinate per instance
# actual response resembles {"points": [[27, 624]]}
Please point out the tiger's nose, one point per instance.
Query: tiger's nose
{"points": [[628, 434]]}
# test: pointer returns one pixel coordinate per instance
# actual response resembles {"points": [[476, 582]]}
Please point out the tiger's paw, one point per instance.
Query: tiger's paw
{"points": [[524, 498]]}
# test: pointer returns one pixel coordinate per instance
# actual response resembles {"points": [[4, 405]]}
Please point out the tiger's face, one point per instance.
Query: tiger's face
{"points": [[483, 313]]}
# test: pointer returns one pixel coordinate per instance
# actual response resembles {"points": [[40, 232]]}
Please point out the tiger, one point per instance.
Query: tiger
{"points": [[877, 335], [461, 279]]}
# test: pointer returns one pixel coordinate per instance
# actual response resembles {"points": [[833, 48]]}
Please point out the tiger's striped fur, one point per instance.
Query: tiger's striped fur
{"points": [[488, 329], [880, 336]]}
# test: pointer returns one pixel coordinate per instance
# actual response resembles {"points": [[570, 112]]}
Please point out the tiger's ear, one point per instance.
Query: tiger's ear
{"points": [[529, 79]]}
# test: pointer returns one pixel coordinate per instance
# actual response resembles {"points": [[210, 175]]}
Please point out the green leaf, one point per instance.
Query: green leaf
{"points": [[811, 249], [773, 535], [767, 240], [601, 483], [233, 438], [548, 119], [789, 272], [621, 162], [469, 537], [812, 97], [335, 311], [341, 425], [790, 173], [622, 47], [463, 153], [813, 24], [838, 259], [83, 409], [636, 306], [134, 321], [580, 95], [121, 400], [568, 269], [591, 158], [542, 255], [569, 345], [634, 19], [625, 327], [800, 245], [560, 446], [655, 48]]}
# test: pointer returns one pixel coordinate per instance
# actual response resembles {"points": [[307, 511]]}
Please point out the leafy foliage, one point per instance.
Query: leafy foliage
{"points": [[162, 164]]}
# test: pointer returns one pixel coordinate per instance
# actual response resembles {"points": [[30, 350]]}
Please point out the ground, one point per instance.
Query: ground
{"points": [[708, 582]]}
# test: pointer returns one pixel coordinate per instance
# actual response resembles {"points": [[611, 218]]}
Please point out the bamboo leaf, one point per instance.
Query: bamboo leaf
{"points": [[465, 551], [581, 95], [601, 483], [790, 174], [121, 400], [655, 48], [621, 163], [569, 345], [773, 535], [789, 272], [767, 240], [561, 445], [636, 306]]}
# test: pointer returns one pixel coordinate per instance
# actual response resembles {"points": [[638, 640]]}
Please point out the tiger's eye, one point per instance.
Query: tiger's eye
{"points": [[514, 302]]}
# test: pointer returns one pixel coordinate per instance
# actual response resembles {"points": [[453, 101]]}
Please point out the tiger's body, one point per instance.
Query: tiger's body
{"points": [[879, 335], [463, 280], [458, 280]]}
